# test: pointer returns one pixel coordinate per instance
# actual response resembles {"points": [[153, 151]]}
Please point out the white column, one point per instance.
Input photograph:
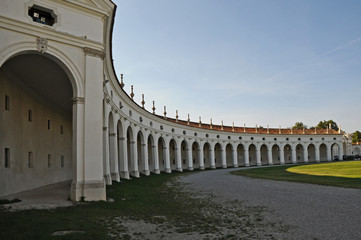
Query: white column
{"points": [[211, 153], [201, 158], [329, 153], [246, 155], [114, 156], [107, 176], [189, 157], [123, 158], [317, 153], [167, 161], [145, 161], [282, 155], [340, 150], [234, 156], [269, 152], [134, 161], [305, 154], [258, 155], [156, 158], [293, 155]]}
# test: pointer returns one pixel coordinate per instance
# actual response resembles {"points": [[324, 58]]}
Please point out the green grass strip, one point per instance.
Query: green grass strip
{"points": [[287, 173]]}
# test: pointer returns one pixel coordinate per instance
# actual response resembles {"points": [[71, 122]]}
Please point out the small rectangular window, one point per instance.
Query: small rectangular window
{"points": [[61, 129], [62, 161], [7, 158], [49, 124], [49, 160], [7, 103], [30, 160], [30, 115]]}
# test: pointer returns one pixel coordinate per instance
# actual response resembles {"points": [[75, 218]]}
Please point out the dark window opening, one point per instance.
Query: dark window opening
{"points": [[42, 15], [30, 115], [61, 129], [62, 161], [7, 103], [7, 158], [49, 124]]}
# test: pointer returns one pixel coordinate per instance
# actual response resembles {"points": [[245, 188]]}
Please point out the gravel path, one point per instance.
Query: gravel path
{"points": [[312, 211]]}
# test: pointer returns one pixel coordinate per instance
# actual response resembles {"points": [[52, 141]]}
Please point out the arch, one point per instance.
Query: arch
{"points": [[132, 152], [122, 150], [195, 155], [276, 154], [229, 155], [113, 148], [218, 155], [311, 149], [264, 154], [142, 154], [240, 155], [56, 55], [41, 85], [323, 152], [287, 151], [162, 154], [299, 153], [207, 155], [252, 149], [335, 152], [151, 154], [173, 154]]}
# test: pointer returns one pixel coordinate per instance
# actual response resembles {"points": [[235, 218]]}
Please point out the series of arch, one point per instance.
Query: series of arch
{"points": [[130, 150]]}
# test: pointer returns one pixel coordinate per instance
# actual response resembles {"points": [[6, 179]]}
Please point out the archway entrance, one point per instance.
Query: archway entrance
{"points": [[36, 127]]}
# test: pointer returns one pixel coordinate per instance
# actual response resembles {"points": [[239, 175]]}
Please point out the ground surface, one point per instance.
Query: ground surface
{"points": [[203, 205], [313, 211]]}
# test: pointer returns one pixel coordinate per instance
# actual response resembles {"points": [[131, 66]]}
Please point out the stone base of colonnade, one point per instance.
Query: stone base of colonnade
{"points": [[88, 191], [108, 179], [134, 174], [146, 172], [124, 175], [116, 177], [156, 171], [190, 169], [179, 170]]}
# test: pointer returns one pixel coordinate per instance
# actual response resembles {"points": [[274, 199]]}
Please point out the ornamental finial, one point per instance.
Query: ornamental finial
{"points": [[153, 108], [121, 81], [132, 93], [176, 115], [165, 112], [143, 102]]}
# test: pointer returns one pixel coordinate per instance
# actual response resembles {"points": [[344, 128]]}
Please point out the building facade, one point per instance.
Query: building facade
{"points": [[65, 115]]}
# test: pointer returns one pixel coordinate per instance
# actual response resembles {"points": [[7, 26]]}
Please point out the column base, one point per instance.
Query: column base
{"points": [[168, 170], [224, 166], [282, 163], [108, 179], [213, 167], [88, 191], [124, 174], [115, 177], [179, 170], [156, 171], [134, 174], [146, 172], [190, 168], [259, 164], [270, 164], [235, 165], [201, 168], [246, 165]]}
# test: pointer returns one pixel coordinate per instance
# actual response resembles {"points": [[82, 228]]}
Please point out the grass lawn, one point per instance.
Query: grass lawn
{"points": [[340, 174], [156, 200]]}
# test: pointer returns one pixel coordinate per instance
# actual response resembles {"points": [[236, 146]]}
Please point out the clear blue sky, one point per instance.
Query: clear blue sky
{"points": [[244, 61]]}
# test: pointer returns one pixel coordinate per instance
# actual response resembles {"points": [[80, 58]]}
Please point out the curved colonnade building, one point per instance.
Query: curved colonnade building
{"points": [[65, 115]]}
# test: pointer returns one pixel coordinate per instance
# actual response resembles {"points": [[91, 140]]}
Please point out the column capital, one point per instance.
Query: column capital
{"points": [[94, 52], [78, 100]]}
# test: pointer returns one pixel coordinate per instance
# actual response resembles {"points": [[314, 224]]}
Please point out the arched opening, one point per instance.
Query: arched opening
{"points": [[122, 159], [113, 150], [151, 157], [173, 154], [132, 152], [323, 152], [229, 155], [195, 155], [252, 155], [161, 154], [276, 154], [141, 154], [335, 152], [36, 124], [287, 151], [311, 153], [240, 155], [207, 155], [218, 155], [299, 153], [356, 151], [184, 156], [264, 155]]}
